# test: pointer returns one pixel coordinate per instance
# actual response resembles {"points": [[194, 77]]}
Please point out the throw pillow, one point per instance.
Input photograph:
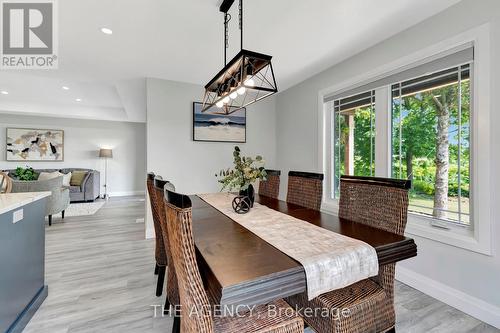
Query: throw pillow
{"points": [[49, 175], [77, 178], [66, 179]]}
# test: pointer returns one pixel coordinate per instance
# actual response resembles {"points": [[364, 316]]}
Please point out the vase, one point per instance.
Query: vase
{"points": [[249, 195]]}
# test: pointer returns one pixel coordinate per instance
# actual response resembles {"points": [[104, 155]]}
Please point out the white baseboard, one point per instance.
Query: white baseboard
{"points": [[471, 305], [125, 193]]}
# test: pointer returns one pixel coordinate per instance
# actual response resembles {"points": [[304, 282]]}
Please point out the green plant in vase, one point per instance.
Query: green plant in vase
{"points": [[246, 171], [25, 174]]}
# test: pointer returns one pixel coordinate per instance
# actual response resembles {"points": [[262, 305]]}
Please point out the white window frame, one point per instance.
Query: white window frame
{"points": [[477, 239]]}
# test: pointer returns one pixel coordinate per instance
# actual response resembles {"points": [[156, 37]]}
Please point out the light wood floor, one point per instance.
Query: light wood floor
{"points": [[99, 270]]}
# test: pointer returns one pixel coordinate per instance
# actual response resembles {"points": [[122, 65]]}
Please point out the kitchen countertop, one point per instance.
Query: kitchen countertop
{"points": [[10, 201]]}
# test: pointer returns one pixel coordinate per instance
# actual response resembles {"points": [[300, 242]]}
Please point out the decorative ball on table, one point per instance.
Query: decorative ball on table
{"points": [[246, 171], [241, 204]]}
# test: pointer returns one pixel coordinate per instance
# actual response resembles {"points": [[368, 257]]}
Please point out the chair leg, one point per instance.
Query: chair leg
{"points": [[62, 213], [166, 308], [177, 325], [50, 220], [161, 278], [156, 269]]}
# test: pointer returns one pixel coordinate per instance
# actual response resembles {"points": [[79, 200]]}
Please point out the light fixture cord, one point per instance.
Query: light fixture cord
{"points": [[227, 18], [241, 23]]}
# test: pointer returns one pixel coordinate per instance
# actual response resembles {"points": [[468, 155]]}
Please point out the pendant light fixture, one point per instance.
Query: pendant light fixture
{"points": [[246, 79]]}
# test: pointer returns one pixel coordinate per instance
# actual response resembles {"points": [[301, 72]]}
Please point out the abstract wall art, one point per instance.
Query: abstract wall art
{"points": [[26, 144]]}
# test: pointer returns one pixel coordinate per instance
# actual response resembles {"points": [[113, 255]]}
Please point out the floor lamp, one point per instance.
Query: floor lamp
{"points": [[105, 153]]}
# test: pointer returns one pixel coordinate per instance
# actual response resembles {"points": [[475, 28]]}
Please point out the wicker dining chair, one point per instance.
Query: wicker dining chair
{"points": [[160, 255], [381, 203], [5, 183], [172, 297], [271, 186], [196, 315], [305, 189]]}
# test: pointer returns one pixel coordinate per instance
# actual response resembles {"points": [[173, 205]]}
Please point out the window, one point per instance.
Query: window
{"points": [[431, 142], [427, 114], [432, 115], [354, 137]]}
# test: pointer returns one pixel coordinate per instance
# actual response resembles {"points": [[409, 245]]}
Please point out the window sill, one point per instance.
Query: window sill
{"points": [[455, 236], [330, 207], [422, 226]]}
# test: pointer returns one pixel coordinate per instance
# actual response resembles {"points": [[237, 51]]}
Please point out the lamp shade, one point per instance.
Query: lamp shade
{"points": [[105, 153]]}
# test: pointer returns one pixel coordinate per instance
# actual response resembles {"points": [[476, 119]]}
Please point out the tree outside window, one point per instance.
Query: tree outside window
{"points": [[431, 142]]}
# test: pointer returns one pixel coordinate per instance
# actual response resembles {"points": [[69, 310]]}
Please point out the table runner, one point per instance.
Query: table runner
{"points": [[330, 260]]}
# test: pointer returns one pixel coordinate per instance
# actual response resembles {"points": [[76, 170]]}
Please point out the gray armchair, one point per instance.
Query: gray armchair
{"points": [[57, 202]]}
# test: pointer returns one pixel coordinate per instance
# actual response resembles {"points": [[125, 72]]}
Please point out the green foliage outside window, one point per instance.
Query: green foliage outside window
{"points": [[416, 138], [428, 129]]}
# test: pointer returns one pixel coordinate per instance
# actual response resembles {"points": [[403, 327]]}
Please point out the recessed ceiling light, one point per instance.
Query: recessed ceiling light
{"points": [[78, 99], [3, 92], [65, 88], [107, 31]]}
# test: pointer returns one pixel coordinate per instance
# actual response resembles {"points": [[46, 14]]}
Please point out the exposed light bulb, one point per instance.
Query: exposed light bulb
{"points": [[250, 82], [233, 95], [241, 90], [107, 31], [225, 100], [219, 104]]}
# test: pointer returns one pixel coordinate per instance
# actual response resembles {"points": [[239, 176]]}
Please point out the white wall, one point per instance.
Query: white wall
{"points": [[191, 165], [471, 278], [82, 140]]}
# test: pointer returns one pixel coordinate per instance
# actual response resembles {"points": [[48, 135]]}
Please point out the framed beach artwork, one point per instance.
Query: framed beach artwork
{"points": [[219, 127], [27, 144]]}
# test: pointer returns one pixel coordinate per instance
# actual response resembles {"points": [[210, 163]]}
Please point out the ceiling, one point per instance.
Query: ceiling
{"points": [[183, 41]]}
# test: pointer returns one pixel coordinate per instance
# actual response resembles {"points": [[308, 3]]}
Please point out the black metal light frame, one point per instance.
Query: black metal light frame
{"points": [[246, 79]]}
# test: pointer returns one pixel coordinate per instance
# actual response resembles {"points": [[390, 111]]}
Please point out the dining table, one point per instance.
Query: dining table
{"points": [[240, 269]]}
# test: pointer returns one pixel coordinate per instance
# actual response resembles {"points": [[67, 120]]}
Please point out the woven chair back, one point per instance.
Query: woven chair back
{"points": [[305, 189], [195, 316], [271, 186]]}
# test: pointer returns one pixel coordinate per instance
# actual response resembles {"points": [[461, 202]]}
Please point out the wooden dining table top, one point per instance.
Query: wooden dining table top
{"points": [[241, 269]]}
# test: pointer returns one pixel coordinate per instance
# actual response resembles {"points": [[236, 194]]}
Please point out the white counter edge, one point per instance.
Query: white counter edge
{"points": [[11, 201]]}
